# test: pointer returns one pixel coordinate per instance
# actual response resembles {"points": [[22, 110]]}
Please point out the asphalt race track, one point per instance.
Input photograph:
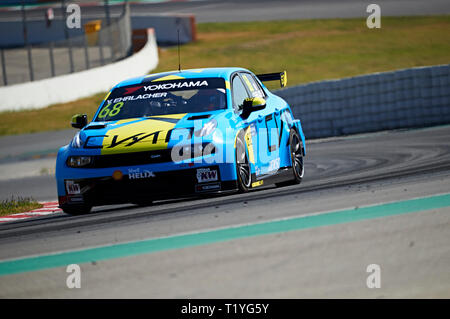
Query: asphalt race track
{"points": [[259, 10], [27, 164], [378, 198], [254, 10], [209, 248]]}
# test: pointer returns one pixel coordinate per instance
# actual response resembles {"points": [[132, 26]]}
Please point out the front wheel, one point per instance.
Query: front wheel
{"points": [[244, 177], [296, 151]]}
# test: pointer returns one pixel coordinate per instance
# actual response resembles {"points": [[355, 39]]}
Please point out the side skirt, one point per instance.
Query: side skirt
{"points": [[283, 174]]}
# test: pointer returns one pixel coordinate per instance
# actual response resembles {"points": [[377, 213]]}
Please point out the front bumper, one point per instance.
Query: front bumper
{"points": [[143, 185]]}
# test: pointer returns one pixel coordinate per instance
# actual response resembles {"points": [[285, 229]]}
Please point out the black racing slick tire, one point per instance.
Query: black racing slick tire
{"points": [[77, 210], [297, 152], [244, 177]]}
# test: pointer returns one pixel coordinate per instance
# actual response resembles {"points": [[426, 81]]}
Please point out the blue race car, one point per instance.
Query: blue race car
{"points": [[178, 134]]}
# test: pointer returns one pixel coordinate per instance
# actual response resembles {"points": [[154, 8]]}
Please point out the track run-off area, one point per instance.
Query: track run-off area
{"points": [[380, 198]]}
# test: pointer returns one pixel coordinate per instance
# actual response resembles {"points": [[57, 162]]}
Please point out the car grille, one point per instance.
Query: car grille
{"points": [[137, 158], [130, 159]]}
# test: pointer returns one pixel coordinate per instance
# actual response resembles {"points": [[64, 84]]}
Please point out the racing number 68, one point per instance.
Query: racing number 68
{"points": [[111, 112]]}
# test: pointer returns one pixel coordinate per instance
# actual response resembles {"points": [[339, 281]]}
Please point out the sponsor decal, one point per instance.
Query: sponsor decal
{"points": [[133, 139], [176, 85], [207, 175], [76, 199], [136, 173], [117, 175], [129, 141], [72, 188], [258, 183], [132, 90], [143, 135], [207, 187], [136, 97], [274, 164], [253, 129]]}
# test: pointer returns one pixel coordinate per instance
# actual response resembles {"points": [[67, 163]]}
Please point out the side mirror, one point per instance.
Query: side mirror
{"points": [[252, 104], [79, 121]]}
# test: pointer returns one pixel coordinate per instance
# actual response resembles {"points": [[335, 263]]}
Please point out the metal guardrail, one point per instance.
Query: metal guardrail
{"points": [[416, 97], [39, 61]]}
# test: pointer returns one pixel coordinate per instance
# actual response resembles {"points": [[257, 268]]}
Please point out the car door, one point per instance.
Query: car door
{"points": [[267, 127], [239, 94]]}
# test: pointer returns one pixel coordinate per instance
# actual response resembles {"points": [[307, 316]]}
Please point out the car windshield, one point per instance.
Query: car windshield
{"points": [[164, 97]]}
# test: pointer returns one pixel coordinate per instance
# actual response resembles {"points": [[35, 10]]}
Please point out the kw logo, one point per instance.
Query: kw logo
{"points": [[206, 175]]}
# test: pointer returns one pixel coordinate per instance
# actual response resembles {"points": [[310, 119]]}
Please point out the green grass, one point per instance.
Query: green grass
{"points": [[55, 117], [310, 50], [18, 205]]}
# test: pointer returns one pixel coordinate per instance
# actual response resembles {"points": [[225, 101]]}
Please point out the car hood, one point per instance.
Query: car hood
{"points": [[140, 134]]}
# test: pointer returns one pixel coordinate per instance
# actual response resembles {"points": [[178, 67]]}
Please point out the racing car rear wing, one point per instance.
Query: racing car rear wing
{"points": [[282, 76]]}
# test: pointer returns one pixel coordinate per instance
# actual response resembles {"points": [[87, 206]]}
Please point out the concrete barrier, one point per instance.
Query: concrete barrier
{"points": [[416, 97], [70, 87]]}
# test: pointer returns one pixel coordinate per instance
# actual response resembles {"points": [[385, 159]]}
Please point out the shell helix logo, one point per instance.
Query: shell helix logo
{"points": [[138, 174]]}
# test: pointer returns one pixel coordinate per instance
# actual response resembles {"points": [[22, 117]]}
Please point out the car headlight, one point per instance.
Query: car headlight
{"points": [[79, 161], [207, 129], [76, 141]]}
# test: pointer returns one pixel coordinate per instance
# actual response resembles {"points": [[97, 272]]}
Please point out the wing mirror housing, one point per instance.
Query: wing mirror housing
{"points": [[79, 121], [252, 104]]}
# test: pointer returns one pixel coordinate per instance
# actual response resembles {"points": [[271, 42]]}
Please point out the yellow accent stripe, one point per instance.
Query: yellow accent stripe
{"points": [[250, 86], [197, 70], [248, 141], [169, 77], [171, 116], [284, 79]]}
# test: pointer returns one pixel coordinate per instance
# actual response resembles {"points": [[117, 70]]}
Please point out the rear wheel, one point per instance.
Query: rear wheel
{"points": [[296, 151], [77, 210], [244, 177]]}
